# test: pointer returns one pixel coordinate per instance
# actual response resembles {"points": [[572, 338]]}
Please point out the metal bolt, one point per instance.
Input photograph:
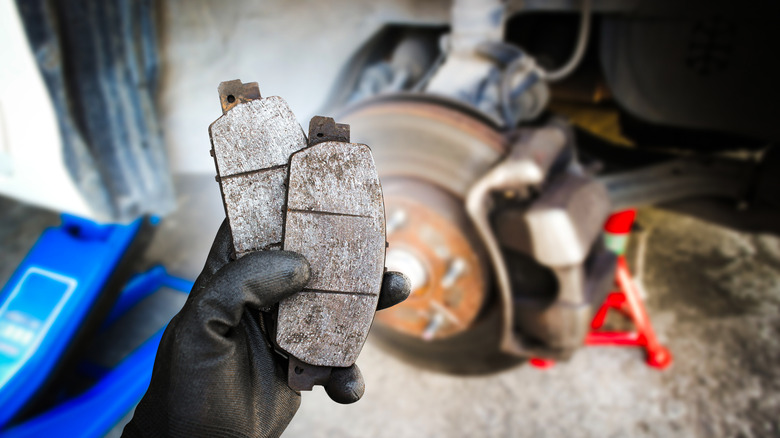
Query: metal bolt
{"points": [[396, 220], [434, 325], [455, 270]]}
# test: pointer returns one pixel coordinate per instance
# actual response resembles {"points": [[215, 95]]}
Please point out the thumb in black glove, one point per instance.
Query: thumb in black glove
{"points": [[215, 373]]}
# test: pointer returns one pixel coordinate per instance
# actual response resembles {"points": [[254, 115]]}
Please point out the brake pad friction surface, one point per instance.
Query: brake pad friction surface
{"points": [[252, 143], [335, 218], [324, 202]]}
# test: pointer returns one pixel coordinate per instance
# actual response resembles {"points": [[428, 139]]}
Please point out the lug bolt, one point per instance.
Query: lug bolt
{"points": [[396, 221], [455, 269], [434, 325]]}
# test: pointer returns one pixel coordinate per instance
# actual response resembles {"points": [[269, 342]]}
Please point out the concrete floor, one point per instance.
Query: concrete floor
{"points": [[713, 295]]}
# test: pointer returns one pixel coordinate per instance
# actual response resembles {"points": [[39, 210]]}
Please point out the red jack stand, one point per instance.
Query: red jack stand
{"points": [[627, 301]]}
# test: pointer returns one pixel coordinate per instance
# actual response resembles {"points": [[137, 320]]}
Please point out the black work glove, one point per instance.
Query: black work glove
{"points": [[215, 373]]}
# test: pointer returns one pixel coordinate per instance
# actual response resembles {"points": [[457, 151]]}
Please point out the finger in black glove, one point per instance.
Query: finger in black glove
{"points": [[346, 385], [215, 374]]}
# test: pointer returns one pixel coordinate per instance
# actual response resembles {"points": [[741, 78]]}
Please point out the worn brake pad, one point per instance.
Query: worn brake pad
{"points": [[251, 144], [323, 201], [335, 218]]}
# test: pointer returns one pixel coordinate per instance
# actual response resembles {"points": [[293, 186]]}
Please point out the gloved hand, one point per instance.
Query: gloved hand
{"points": [[215, 373]]}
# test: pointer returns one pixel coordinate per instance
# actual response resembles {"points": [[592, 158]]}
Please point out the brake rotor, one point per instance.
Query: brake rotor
{"points": [[428, 152]]}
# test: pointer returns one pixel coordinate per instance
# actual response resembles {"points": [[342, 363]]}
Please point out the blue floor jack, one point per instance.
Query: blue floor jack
{"points": [[73, 282]]}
